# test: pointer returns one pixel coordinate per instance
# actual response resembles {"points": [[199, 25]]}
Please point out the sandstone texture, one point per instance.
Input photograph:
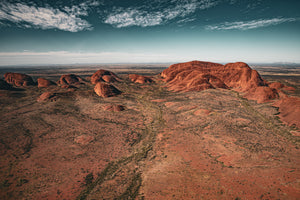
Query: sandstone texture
{"points": [[18, 79], [104, 76], [140, 79], [70, 79], [43, 83], [47, 96], [106, 90]]}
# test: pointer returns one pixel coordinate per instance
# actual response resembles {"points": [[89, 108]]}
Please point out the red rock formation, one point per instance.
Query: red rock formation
{"points": [[289, 88], [262, 94], [114, 108], [70, 79], [197, 76], [4, 85], [47, 96], [289, 109], [276, 85], [140, 79], [106, 90], [104, 76], [42, 82], [18, 79]]}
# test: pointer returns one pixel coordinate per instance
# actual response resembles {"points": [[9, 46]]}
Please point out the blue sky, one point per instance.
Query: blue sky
{"points": [[133, 31]]}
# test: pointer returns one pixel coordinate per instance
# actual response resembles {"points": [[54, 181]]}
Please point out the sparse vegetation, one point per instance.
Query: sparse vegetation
{"points": [[164, 144]]}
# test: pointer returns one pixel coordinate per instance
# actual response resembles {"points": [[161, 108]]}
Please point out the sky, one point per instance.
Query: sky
{"points": [[43, 32]]}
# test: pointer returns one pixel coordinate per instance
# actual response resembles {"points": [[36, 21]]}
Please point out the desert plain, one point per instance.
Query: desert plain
{"points": [[153, 140]]}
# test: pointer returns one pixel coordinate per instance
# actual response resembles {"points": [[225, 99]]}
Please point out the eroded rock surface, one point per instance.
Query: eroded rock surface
{"points": [[104, 76], [18, 79], [106, 90], [140, 79]]}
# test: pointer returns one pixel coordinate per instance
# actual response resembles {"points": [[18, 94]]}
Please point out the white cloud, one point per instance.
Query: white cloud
{"points": [[65, 57], [67, 19], [246, 25], [143, 17]]}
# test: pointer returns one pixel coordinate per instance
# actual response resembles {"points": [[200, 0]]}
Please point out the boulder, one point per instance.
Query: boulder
{"points": [[18, 79], [114, 107], [104, 76], [106, 90], [140, 79], [70, 79], [47, 96], [43, 83]]}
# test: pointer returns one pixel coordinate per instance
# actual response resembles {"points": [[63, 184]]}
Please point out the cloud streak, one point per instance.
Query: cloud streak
{"points": [[27, 16], [65, 57], [247, 25], [142, 17]]}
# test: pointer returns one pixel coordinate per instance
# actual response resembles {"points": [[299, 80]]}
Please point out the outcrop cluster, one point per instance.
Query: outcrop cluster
{"points": [[140, 79], [104, 76]]}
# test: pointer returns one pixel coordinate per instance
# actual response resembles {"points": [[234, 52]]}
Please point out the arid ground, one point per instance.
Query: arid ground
{"points": [[211, 144]]}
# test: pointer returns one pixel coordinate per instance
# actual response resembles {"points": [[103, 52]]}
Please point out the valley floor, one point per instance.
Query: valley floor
{"points": [[196, 145]]}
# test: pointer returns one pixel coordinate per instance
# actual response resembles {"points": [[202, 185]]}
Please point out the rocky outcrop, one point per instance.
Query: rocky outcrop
{"points": [[70, 79], [18, 79], [289, 110], [197, 76], [140, 79], [262, 94], [114, 107], [47, 96], [104, 76], [44, 83], [106, 90]]}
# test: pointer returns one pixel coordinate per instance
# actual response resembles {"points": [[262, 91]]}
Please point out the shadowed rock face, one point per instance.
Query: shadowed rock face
{"points": [[140, 79], [42, 82], [18, 79], [114, 108], [104, 76], [106, 90], [4, 85], [70, 79]]}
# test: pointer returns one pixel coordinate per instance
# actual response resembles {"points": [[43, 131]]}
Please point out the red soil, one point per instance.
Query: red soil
{"points": [[198, 76]]}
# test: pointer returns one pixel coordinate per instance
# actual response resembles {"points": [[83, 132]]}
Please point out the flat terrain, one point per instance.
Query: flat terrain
{"points": [[196, 145]]}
